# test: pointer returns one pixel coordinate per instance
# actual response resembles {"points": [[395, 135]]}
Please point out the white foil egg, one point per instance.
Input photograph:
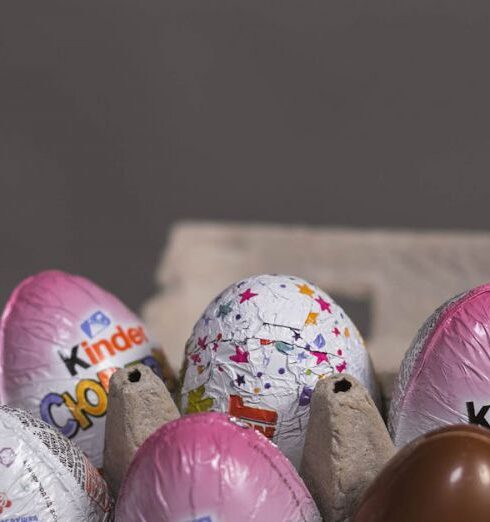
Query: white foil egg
{"points": [[44, 477], [259, 349]]}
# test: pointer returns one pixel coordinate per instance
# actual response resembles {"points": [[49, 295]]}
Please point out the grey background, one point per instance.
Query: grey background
{"points": [[120, 117]]}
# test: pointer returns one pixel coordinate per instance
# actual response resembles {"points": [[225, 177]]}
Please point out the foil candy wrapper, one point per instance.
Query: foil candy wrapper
{"points": [[61, 338], [259, 349], [444, 378], [210, 468], [44, 477]]}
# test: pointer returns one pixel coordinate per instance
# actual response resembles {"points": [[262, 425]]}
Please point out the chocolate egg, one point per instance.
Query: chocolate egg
{"points": [[61, 338], [441, 476], [259, 349], [211, 468], [44, 477], [444, 378]]}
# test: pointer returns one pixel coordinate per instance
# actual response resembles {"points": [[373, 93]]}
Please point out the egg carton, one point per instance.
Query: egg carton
{"points": [[388, 281]]}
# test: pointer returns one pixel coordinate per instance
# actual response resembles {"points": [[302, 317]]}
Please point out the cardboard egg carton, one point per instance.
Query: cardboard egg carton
{"points": [[389, 281]]}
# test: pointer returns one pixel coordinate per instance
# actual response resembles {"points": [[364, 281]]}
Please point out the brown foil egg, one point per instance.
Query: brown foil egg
{"points": [[443, 476]]}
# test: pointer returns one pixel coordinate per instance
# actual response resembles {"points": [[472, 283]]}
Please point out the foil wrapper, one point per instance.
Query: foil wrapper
{"points": [[444, 378], [61, 338], [211, 468], [44, 477], [259, 349]]}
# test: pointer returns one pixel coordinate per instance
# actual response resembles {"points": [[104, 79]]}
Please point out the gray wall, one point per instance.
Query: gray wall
{"points": [[118, 117]]}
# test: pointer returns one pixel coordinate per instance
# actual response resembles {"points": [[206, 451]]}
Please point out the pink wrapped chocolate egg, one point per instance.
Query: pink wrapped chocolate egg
{"points": [[259, 349], [212, 468], [444, 378], [61, 338]]}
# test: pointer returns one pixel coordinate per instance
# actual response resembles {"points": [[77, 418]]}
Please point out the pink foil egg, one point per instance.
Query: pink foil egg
{"points": [[209, 467], [61, 338], [444, 378]]}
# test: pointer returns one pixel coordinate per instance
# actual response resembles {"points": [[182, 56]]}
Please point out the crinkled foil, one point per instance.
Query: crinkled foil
{"points": [[444, 378], [209, 468], [44, 477], [61, 338], [259, 349]]}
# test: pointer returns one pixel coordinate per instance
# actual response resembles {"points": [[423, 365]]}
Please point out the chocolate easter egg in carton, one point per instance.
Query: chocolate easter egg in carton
{"points": [[444, 377], [61, 338], [442, 475], [212, 468], [259, 349]]}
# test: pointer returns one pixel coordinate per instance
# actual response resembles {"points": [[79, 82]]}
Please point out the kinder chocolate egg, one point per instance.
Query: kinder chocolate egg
{"points": [[211, 468], [61, 338], [445, 375], [44, 477], [441, 476], [259, 349]]}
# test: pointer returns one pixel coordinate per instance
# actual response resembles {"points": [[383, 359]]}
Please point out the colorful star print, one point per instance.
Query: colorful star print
{"points": [[305, 289], [241, 356], [311, 319], [320, 356], [240, 379], [196, 358], [324, 305], [197, 402], [247, 295], [267, 341], [341, 367], [224, 310], [301, 357]]}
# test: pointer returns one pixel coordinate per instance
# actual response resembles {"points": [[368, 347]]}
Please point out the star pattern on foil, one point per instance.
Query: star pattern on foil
{"points": [[241, 355], [305, 289], [320, 357], [224, 310], [301, 357], [311, 318], [240, 379], [324, 305], [247, 295], [197, 402]]}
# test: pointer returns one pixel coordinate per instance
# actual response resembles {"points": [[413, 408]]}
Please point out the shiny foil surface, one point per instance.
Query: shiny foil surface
{"points": [[212, 468], [443, 476], [444, 378], [259, 349], [61, 338], [44, 477]]}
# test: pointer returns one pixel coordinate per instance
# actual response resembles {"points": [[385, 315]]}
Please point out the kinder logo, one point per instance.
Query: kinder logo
{"points": [[477, 417], [95, 324], [90, 394], [97, 352]]}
